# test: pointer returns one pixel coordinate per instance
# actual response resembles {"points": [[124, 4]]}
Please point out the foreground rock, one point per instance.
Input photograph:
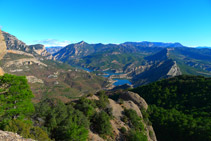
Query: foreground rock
{"points": [[9, 136]]}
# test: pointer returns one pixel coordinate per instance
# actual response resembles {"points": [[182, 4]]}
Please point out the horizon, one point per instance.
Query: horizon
{"points": [[59, 23], [49, 46]]}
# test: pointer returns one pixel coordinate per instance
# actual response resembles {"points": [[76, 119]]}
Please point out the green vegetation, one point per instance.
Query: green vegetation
{"points": [[16, 108], [101, 124], [50, 118], [15, 98], [180, 107], [137, 132]]}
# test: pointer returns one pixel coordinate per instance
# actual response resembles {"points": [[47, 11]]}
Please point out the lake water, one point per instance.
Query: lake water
{"points": [[107, 74], [121, 82]]}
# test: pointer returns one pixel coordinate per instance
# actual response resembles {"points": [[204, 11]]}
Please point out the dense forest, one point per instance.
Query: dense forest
{"points": [[51, 119], [180, 107]]}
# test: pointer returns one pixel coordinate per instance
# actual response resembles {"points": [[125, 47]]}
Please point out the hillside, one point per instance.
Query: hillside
{"points": [[180, 107], [101, 116], [47, 78]]}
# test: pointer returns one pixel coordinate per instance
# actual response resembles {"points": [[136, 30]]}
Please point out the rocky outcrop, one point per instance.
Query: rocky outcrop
{"points": [[3, 48], [131, 96], [40, 49], [13, 43], [174, 71], [25, 61], [9, 136], [127, 100], [33, 79], [159, 70], [19, 53], [94, 137], [1, 71]]}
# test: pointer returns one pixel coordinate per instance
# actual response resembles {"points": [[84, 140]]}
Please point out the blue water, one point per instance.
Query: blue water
{"points": [[108, 73], [122, 82]]}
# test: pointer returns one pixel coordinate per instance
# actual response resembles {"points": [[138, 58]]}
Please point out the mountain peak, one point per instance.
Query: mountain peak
{"points": [[82, 43]]}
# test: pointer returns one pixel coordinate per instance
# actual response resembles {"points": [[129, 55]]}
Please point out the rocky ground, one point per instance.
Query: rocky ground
{"points": [[9, 136]]}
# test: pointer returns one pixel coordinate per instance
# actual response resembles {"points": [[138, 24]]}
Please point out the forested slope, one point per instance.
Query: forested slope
{"points": [[180, 107]]}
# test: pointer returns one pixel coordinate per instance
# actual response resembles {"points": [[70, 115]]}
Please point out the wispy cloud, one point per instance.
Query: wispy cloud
{"points": [[52, 42]]}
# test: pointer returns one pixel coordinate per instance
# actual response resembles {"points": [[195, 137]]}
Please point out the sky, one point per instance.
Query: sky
{"points": [[61, 22]]}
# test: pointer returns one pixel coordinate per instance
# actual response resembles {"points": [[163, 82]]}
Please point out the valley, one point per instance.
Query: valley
{"points": [[98, 92]]}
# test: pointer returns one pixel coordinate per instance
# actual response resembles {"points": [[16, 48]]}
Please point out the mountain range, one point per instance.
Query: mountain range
{"points": [[80, 104], [143, 62]]}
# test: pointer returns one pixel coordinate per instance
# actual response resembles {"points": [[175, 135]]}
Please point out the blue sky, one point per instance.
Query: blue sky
{"points": [[60, 22]]}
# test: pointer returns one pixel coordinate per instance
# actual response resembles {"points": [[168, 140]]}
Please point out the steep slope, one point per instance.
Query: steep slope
{"points": [[159, 66], [14, 44], [193, 61], [180, 107]]}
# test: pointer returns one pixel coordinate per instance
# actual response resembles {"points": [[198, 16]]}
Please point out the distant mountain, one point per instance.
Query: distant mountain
{"points": [[203, 47], [53, 49], [153, 44], [144, 62]]}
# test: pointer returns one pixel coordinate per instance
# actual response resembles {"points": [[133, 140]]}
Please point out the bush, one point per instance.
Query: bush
{"points": [[103, 100], [101, 123], [123, 130], [134, 119], [134, 135]]}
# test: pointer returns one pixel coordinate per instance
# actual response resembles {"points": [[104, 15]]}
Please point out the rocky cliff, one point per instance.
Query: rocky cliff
{"points": [[3, 50], [14, 43], [118, 102]]}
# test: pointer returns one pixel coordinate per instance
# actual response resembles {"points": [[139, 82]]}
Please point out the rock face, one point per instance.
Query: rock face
{"points": [[9, 136], [127, 100], [3, 47], [139, 101], [3, 50], [159, 66], [13, 43]]}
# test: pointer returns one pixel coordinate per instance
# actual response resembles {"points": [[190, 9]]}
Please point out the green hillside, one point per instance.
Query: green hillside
{"points": [[180, 107]]}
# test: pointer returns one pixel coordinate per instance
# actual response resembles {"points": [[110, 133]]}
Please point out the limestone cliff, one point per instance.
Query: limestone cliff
{"points": [[3, 50], [3, 47], [13, 43]]}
